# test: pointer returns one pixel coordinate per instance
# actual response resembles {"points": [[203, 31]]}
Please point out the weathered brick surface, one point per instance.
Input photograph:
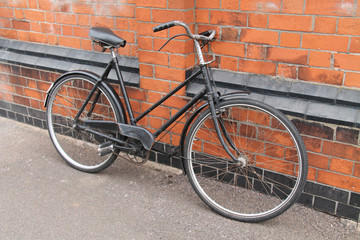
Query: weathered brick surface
{"points": [[306, 40]]}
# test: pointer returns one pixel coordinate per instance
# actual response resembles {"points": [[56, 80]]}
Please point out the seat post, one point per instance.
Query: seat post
{"points": [[122, 86]]}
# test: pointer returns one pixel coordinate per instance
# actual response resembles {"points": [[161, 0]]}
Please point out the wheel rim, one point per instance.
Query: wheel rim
{"points": [[78, 148], [258, 190]]}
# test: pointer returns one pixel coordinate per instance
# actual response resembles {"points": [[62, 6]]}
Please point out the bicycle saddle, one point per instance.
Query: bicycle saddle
{"points": [[106, 37]]}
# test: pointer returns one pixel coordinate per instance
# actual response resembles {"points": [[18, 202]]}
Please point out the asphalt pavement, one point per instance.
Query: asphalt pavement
{"points": [[41, 197]]}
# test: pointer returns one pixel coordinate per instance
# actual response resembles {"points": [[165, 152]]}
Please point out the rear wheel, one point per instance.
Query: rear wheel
{"points": [[80, 149], [275, 159]]}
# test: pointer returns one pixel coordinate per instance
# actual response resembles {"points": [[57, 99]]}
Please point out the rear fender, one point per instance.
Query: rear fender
{"points": [[108, 88]]}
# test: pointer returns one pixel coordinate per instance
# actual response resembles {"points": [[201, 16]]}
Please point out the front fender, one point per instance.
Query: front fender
{"points": [[198, 111]]}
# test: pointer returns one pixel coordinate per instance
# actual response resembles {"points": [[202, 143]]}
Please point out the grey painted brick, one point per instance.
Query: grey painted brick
{"points": [[349, 96], [314, 91], [295, 106], [332, 113]]}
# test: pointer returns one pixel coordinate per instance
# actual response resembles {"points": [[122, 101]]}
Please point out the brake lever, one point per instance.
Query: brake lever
{"points": [[178, 35]]}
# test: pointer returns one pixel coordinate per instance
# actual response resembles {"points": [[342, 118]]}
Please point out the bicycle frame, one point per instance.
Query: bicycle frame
{"points": [[212, 99]]}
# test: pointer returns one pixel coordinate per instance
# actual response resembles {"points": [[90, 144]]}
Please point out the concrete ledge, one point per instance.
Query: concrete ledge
{"points": [[310, 101], [61, 59]]}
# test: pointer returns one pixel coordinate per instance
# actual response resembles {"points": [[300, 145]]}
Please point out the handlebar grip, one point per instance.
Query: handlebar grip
{"points": [[164, 26]]}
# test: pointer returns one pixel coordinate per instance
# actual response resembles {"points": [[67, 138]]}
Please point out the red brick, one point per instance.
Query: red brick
{"points": [[35, 26], [37, 37], [229, 48], [122, 23], [341, 166], [184, 4], [8, 33], [161, 16], [291, 6], [325, 24], [23, 36], [287, 55], [352, 79], [255, 52], [19, 13], [33, 93], [290, 40], [320, 59], [259, 67], [171, 74], [259, 36], [230, 4], [34, 15], [312, 172], [258, 20], [82, 32], [69, 42], [100, 21], [333, 8], [325, 42], [347, 61], [321, 75], [18, 4], [20, 25], [121, 10], [155, 85], [82, 8], [48, 5], [318, 161], [357, 170], [66, 18], [228, 18], [49, 17], [349, 26], [260, 6], [143, 14], [181, 61], [339, 180], [153, 97], [287, 71], [6, 12], [229, 63], [67, 30], [229, 34], [21, 100], [208, 4], [355, 45], [152, 3], [341, 150], [290, 22], [202, 16], [50, 28], [136, 93]]}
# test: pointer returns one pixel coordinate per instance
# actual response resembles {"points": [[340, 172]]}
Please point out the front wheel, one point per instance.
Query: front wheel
{"points": [[274, 154]]}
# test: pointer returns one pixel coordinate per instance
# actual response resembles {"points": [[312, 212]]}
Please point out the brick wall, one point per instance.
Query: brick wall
{"points": [[315, 41]]}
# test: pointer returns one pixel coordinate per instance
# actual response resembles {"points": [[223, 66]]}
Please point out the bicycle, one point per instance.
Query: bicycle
{"points": [[244, 158]]}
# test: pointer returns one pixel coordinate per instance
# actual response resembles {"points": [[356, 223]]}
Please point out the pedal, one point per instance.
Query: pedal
{"points": [[105, 148]]}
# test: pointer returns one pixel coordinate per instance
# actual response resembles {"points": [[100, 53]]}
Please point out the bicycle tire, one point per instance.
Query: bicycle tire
{"points": [[275, 155], [78, 148]]}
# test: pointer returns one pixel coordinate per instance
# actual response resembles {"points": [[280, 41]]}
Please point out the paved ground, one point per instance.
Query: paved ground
{"points": [[43, 198]]}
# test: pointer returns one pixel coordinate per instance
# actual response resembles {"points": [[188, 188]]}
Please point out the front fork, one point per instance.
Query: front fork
{"points": [[218, 123]]}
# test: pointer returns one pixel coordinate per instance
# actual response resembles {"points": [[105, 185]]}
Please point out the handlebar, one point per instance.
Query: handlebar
{"points": [[206, 36]]}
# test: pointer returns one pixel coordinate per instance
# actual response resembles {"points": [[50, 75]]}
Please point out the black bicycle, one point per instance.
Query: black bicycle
{"points": [[243, 158]]}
